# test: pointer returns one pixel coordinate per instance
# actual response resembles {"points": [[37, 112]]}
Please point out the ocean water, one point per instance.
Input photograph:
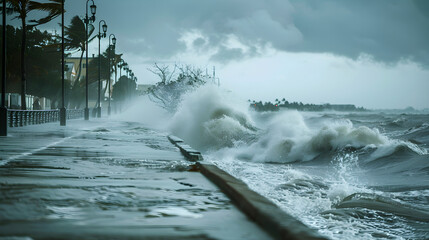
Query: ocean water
{"points": [[348, 175]]}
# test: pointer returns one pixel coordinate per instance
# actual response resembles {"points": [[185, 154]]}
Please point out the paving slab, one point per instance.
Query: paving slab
{"points": [[102, 179]]}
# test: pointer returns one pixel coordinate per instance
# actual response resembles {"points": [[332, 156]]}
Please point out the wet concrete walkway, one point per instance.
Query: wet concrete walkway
{"points": [[108, 180]]}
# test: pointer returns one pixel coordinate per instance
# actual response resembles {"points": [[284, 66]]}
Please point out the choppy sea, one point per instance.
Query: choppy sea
{"points": [[349, 175]]}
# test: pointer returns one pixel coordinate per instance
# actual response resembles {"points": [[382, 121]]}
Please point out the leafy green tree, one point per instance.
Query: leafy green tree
{"points": [[13, 70], [43, 65], [124, 89], [22, 8]]}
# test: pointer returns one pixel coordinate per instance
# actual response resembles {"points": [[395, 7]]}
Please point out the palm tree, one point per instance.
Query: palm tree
{"points": [[117, 59], [22, 8], [75, 39]]}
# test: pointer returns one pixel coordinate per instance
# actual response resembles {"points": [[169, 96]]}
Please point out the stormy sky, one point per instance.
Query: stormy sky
{"points": [[369, 53]]}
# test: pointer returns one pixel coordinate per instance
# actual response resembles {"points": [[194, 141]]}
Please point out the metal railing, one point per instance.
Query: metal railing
{"points": [[20, 118], [75, 113]]}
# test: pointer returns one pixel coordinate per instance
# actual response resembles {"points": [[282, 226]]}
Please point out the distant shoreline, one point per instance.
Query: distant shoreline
{"points": [[283, 104], [269, 106]]}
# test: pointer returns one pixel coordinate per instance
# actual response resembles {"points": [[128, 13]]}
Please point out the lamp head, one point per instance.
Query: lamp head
{"points": [[104, 28], [114, 40], [93, 9]]}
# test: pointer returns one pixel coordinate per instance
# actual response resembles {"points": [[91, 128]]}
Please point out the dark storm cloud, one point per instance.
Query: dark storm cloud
{"points": [[389, 30], [160, 24], [199, 42]]}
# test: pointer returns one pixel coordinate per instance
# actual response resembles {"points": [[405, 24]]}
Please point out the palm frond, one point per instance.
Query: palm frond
{"points": [[54, 9]]}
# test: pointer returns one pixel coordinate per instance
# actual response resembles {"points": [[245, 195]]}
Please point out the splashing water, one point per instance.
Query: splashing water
{"points": [[336, 172]]}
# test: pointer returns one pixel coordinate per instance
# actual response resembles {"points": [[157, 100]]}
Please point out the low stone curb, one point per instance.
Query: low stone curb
{"points": [[261, 210], [265, 213], [186, 150]]}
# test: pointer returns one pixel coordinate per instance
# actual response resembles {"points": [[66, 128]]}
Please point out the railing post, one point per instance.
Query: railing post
{"points": [[20, 118], [27, 118], [3, 121], [15, 119], [10, 118], [24, 118]]}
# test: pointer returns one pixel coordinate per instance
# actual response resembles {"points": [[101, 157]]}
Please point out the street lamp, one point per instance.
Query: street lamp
{"points": [[63, 111], [100, 35], [109, 56], [121, 61], [87, 20], [125, 65], [126, 70], [3, 109]]}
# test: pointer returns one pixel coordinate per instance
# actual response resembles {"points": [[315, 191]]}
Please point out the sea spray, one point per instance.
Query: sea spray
{"points": [[207, 119], [147, 112], [338, 173], [211, 119]]}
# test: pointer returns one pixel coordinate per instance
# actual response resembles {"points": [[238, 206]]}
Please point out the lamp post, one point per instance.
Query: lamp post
{"points": [[87, 20], [126, 70], [121, 65], [125, 67], [128, 84], [116, 70], [3, 109], [109, 57], [100, 35], [63, 111]]}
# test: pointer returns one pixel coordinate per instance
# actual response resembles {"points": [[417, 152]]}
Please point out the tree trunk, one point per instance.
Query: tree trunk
{"points": [[80, 66], [77, 99], [23, 80]]}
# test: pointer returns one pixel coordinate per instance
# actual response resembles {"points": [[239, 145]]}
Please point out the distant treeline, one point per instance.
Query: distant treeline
{"points": [[269, 106]]}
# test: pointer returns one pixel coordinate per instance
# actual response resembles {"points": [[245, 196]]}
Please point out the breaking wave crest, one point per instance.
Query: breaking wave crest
{"points": [[211, 120]]}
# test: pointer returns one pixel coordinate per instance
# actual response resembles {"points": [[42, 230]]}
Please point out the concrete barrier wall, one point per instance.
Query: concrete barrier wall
{"points": [[265, 213]]}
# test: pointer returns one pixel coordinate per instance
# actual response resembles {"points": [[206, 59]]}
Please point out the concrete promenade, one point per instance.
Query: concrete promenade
{"points": [[104, 179]]}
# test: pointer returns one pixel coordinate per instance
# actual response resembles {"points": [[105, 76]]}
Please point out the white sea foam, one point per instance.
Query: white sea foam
{"points": [[210, 119], [213, 121]]}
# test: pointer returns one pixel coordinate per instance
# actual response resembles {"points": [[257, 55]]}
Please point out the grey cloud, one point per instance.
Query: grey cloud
{"points": [[389, 30], [161, 23], [228, 54], [199, 42], [225, 54]]}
